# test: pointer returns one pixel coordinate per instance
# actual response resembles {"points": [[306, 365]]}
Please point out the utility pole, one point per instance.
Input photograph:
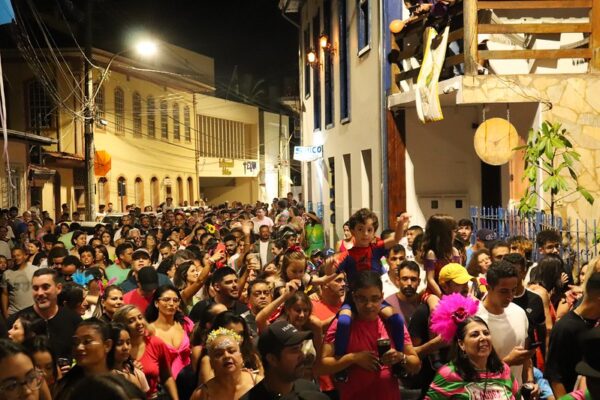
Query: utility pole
{"points": [[90, 181]]}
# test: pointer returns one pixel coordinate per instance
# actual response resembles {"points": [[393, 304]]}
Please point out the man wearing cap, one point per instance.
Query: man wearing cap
{"points": [[485, 239], [507, 321], [141, 259], [280, 348], [565, 351], [263, 245], [589, 367], [147, 282]]}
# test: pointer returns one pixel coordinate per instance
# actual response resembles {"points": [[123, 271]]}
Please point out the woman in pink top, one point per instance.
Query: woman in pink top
{"points": [[369, 373], [171, 326]]}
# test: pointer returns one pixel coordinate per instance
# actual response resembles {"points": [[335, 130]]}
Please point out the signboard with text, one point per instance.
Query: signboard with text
{"points": [[308, 153]]}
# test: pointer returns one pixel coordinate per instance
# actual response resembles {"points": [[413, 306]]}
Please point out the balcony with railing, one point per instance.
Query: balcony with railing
{"points": [[501, 37]]}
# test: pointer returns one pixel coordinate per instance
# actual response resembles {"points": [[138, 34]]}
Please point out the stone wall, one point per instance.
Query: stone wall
{"points": [[574, 101]]}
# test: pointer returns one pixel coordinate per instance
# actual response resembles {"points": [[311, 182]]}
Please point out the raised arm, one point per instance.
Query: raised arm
{"points": [[262, 318]]}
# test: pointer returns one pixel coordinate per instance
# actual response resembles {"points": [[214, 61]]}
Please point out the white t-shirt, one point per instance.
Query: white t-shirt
{"points": [[263, 251], [508, 330], [260, 222]]}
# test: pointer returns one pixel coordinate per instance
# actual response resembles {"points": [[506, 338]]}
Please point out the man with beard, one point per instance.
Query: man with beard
{"points": [[225, 284], [263, 245], [280, 348], [259, 295], [61, 322], [231, 246], [406, 301]]}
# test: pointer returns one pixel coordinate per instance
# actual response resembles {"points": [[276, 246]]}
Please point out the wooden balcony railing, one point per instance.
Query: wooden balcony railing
{"points": [[408, 44]]}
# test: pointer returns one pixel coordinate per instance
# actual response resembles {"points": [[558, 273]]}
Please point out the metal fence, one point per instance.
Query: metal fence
{"points": [[580, 238]]}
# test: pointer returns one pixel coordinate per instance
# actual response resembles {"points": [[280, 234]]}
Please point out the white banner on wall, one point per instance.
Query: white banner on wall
{"points": [[308, 153]]}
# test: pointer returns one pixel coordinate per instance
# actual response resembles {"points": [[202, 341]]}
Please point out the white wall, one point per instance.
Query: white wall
{"points": [[444, 160], [363, 132]]}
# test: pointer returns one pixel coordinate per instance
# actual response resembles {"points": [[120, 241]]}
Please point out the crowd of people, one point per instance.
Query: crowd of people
{"points": [[240, 301]]}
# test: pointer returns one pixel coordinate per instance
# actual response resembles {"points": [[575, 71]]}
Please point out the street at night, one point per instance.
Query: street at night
{"points": [[299, 199]]}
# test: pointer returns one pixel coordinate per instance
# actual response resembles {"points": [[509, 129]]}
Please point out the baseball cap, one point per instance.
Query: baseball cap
{"points": [[140, 253], [316, 253], [281, 334], [454, 272], [486, 235], [148, 279], [590, 365]]}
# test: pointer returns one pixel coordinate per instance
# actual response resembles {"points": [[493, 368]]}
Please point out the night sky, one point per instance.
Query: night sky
{"points": [[251, 34]]}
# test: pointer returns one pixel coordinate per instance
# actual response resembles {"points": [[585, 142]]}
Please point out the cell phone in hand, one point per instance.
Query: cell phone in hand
{"points": [[533, 345]]}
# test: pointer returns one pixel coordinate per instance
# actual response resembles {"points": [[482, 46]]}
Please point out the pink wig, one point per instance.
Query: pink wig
{"points": [[452, 310]]}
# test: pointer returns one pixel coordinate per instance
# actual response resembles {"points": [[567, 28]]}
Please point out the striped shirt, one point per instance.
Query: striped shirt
{"points": [[491, 386]]}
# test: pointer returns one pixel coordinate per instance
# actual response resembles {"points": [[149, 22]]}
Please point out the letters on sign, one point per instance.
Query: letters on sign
{"points": [[308, 153]]}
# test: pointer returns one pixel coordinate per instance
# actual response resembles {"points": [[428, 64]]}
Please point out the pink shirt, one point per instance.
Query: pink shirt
{"points": [[363, 384], [180, 357]]}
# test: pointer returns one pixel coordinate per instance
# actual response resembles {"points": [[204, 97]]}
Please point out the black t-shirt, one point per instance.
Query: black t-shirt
{"points": [[238, 309], [418, 328], [303, 390], [60, 328], [533, 306], [565, 349]]}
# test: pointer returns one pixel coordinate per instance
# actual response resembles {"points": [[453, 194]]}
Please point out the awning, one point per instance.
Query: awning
{"points": [[30, 137], [62, 159], [39, 173]]}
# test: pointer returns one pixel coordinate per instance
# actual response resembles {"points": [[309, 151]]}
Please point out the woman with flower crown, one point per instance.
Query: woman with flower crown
{"points": [[475, 371], [231, 380]]}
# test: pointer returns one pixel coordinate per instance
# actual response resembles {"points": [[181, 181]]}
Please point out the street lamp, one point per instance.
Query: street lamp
{"points": [[143, 48]]}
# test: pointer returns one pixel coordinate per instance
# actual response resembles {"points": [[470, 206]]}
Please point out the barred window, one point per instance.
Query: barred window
{"points": [[137, 114], [40, 107], [151, 119], [119, 110], [176, 121], [186, 124], [164, 119], [100, 107]]}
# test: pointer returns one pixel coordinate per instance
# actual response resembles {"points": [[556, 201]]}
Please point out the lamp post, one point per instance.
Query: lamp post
{"points": [[145, 48]]}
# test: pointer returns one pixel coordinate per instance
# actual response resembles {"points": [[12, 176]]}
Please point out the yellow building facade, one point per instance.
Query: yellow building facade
{"points": [[162, 133]]}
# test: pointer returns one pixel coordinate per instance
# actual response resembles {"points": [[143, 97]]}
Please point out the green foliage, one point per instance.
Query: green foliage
{"points": [[549, 151]]}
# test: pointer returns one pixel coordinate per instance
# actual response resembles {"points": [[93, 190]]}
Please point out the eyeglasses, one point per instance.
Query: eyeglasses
{"points": [[174, 300], [33, 381]]}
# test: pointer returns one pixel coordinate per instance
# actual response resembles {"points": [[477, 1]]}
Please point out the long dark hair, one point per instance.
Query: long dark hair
{"points": [[547, 273], [438, 235], [151, 313], [104, 330], [180, 277], [115, 329], [464, 366], [104, 251], [249, 354], [32, 326]]}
